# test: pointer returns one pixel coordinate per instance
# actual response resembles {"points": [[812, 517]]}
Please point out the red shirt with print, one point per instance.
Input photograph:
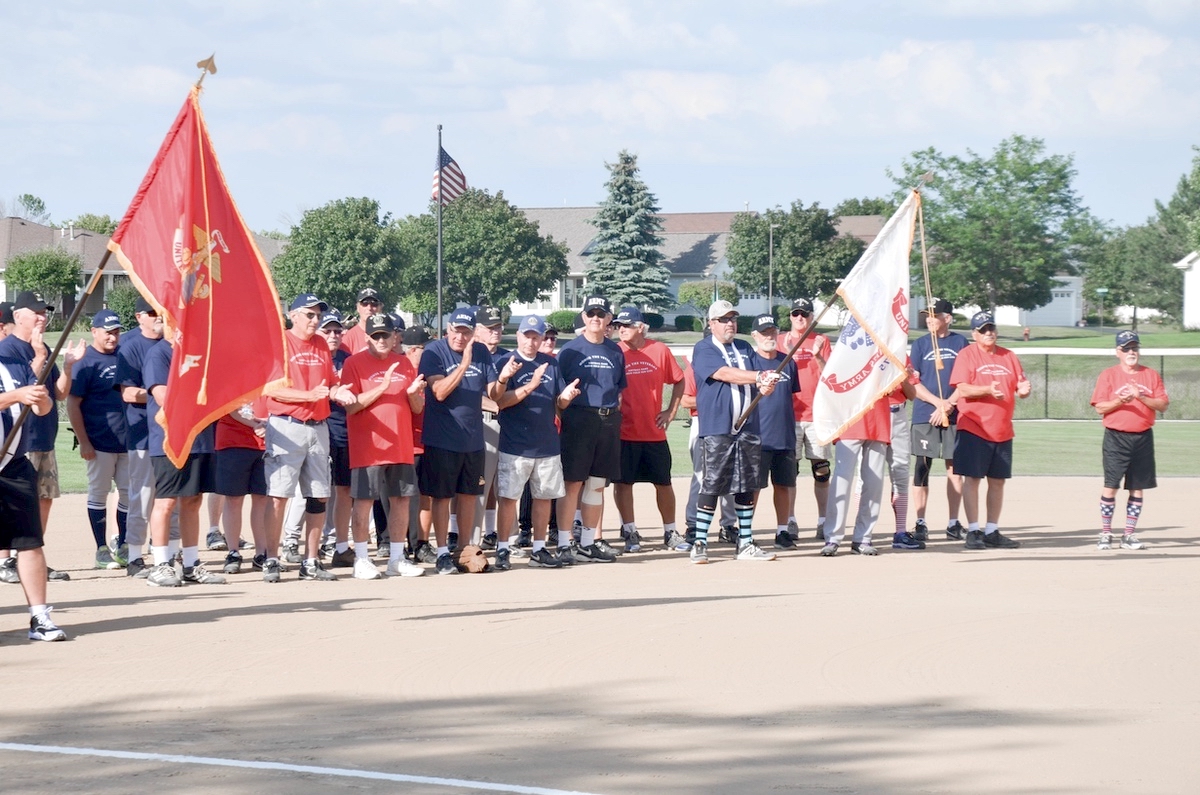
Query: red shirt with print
{"points": [[647, 370], [808, 369], [309, 365], [1134, 416], [231, 433], [986, 416], [381, 433]]}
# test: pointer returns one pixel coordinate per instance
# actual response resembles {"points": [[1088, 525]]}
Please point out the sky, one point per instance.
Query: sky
{"points": [[728, 105]]}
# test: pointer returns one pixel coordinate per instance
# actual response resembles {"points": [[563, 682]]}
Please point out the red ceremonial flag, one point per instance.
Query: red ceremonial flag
{"points": [[187, 249]]}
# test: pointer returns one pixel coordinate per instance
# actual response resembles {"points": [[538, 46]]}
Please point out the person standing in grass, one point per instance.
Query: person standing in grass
{"points": [[1127, 395]]}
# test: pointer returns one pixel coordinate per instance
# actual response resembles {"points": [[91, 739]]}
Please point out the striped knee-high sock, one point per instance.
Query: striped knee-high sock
{"points": [[1108, 506], [1133, 511]]}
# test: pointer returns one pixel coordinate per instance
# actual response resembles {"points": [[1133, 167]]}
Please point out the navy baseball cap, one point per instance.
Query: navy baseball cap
{"points": [[380, 323], [1126, 339], [764, 322], [107, 319], [488, 316], [981, 319], [628, 316], [596, 302], [330, 317], [533, 323], [463, 317], [307, 301], [397, 322]]}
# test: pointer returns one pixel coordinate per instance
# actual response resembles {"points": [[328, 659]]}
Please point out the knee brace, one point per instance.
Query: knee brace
{"points": [[593, 491], [921, 471], [313, 505], [744, 499], [820, 471], [706, 503]]}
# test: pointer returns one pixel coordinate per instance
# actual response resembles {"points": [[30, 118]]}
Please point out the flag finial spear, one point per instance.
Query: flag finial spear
{"points": [[207, 66]]}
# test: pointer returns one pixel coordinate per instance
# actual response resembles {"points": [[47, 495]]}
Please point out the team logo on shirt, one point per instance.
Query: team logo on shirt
{"points": [[597, 363], [993, 369], [946, 353], [307, 359], [640, 367], [472, 370]]}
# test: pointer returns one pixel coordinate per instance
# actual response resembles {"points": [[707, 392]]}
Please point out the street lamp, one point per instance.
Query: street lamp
{"points": [[1101, 291], [771, 268]]}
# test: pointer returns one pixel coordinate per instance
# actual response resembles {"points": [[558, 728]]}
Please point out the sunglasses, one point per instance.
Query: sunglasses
{"points": [[1128, 348], [986, 330], [596, 313], [311, 315], [381, 335], [801, 313], [727, 320]]}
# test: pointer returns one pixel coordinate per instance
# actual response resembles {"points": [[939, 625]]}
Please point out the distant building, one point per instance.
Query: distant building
{"points": [[1190, 265], [1065, 307]]}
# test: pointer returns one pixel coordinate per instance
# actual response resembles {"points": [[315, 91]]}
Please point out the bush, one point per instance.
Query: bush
{"points": [[783, 317], [685, 322], [745, 324], [563, 320], [654, 320], [122, 299]]}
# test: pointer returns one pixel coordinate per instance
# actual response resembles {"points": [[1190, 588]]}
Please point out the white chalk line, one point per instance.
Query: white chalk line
{"points": [[288, 768]]}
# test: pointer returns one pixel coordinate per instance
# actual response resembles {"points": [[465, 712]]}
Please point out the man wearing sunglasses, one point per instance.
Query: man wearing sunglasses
{"points": [[985, 379], [354, 339], [810, 359], [1127, 396]]}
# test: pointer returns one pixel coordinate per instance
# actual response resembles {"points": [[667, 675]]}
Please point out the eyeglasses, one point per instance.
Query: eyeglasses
{"points": [[1128, 348], [727, 320], [381, 335], [986, 330], [369, 302], [801, 313], [331, 330], [310, 315], [596, 313]]}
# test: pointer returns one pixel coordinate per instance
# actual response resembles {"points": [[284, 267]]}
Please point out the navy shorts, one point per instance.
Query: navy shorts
{"points": [[197, 476], [976, 457], [645, 462], [240, 471], [443, 474]]}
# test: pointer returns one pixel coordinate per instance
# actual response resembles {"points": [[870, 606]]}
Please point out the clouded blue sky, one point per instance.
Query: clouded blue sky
{"points": [[725, 103]]}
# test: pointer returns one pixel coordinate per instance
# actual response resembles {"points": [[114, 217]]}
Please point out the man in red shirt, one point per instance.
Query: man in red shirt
{"points": [[810, 358], [1127, 396], [297, 439], [985, 379], [645, 455], [354, 339]]}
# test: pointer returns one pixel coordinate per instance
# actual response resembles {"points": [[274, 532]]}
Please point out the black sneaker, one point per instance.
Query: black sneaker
{"points": [[566, 556], [503, 559], [199, 575], [728, 534], [291, 553], [315, 571], [452, 540], [595, 554], [525, 538], [975, 540], [259, 561], [137, 569], [997, 540], [489, 541], [784, 541], [552, 537], [863, 548], [544, 559], [233, 563], [445, 564], [906, 541], [271, 570], [921, 531], [384, 550], [956, 532], [607, 547], [820, 534], [342, 559], [42, 628], [425, 553], [54, 575]]}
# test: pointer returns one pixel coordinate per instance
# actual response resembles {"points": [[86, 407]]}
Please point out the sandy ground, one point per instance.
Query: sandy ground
{"points": [[1054, 668]]}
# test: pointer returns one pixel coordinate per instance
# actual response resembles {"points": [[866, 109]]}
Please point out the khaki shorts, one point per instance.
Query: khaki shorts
{"points": [[46, 465], [544, 476], [807, 445]]}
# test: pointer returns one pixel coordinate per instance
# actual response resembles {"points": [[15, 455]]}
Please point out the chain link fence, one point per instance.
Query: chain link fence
{"points": [[1063, 383]]}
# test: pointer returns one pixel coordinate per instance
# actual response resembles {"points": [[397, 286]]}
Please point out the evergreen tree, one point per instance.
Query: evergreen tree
{"points": [[626, 261]]}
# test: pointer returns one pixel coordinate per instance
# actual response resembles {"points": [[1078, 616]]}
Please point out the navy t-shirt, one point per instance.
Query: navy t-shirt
{"points": [[456, 424], [719, 404], [16, 374], [776, 411], [156, 371], [600, 368], [925, 363], [131, 357], [527, 429], [103, 411], [42, 430], [338, 436]]}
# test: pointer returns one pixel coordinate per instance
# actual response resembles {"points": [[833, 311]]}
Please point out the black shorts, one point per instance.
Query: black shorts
{"points": [[730, 464], [445, 473], [20, 511], [1129, 456], [194, 479], [976, 457], [383, 481], [781, 466], [240, 471], [645, 462], [932, 441], [339, 464], [591, 444]]}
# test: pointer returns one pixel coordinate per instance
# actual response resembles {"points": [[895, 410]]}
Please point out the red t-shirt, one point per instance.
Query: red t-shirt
{"points": [[231, 433], [874, 426], [646, 372], [381, 433], [309, 364], [354, 339], [1134, 416], [986, 416], [689, 386], [808, 369]]}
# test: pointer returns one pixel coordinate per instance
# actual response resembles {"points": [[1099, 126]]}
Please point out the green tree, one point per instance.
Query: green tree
{"points": [[866, 206], [101, 224], [51, 271], [626, 260], [1180, 216], [1136, 266], [809, 260], [700, 294], [337, 250], [489, 248], [122, 299], [1000, 228]]}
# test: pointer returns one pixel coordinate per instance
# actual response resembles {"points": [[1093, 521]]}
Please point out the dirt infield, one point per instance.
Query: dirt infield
{"points": [[1052, 668]]}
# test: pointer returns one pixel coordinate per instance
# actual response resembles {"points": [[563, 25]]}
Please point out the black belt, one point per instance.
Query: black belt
{"points": [[290, 418], [594, 410]]}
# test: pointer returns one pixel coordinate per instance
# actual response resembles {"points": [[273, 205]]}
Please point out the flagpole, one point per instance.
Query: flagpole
{"points": [[53, 357], [438, 330]]}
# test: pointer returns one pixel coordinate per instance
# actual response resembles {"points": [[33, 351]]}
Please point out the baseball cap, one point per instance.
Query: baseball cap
{"points": [[6, 312], [488, 316], [533, 323], [720, 309], [417, 335], [463, 317], [106, 319], [1127, 338], [332, 316], [306, 301], [764, 322], [940, 307], [368, 294], [627, 316], [802, 305], [142, 305], [980, 319], [31, 300], [378, 323], [398, 323], [596, 302]]}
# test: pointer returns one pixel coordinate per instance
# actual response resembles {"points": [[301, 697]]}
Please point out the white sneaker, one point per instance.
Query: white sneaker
{"points": [[1130, 541], [1105, 541], [365, 570], [401, 568], [752, 551]]}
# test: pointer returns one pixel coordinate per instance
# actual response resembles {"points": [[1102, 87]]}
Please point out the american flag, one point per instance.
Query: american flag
{"points": [[451, 177]]}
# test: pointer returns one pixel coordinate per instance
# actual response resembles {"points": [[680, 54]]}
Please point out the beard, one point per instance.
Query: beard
{"points": [[768, 346]]}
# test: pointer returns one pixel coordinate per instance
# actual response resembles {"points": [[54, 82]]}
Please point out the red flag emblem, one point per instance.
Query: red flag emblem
{"points": [[187, 249]]}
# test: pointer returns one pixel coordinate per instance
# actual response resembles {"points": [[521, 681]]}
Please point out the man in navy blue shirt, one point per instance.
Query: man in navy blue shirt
{"points": [[727, 379], [489, 324], [591, 430], [777, 423], [97, 416]]}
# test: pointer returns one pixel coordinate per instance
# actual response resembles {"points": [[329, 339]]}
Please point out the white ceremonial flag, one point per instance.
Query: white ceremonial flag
{"points": [[868, 361]]}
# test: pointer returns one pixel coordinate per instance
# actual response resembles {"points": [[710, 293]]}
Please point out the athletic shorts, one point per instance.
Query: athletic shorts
{"points": [[20, 514], [46, 466], [240, 471], [932, 441], [297, 454], [543, 475], [730, 464], [781, 466], [807, 445], [1129, 456], [591, 444], [339, 465], [197, 476], [383, 481], [976, 457], [645, 462], [443, 474]]}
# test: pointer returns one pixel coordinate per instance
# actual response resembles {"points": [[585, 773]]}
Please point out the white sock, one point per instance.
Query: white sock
{"points": [[39, 610], [538, 545], [821, 522], [173, 547], [191, 556], [953, 521], [990, 528], [668, 528], [214, 529], [360, 550], [781, 529], [160, 554], [513, 539], [454, 523], [579, 516], [629, 527], [443, 551], [972, 527], [342, 546], [397, 554], [587, 537], [791, 518], [502, 545], [489, 521]]}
